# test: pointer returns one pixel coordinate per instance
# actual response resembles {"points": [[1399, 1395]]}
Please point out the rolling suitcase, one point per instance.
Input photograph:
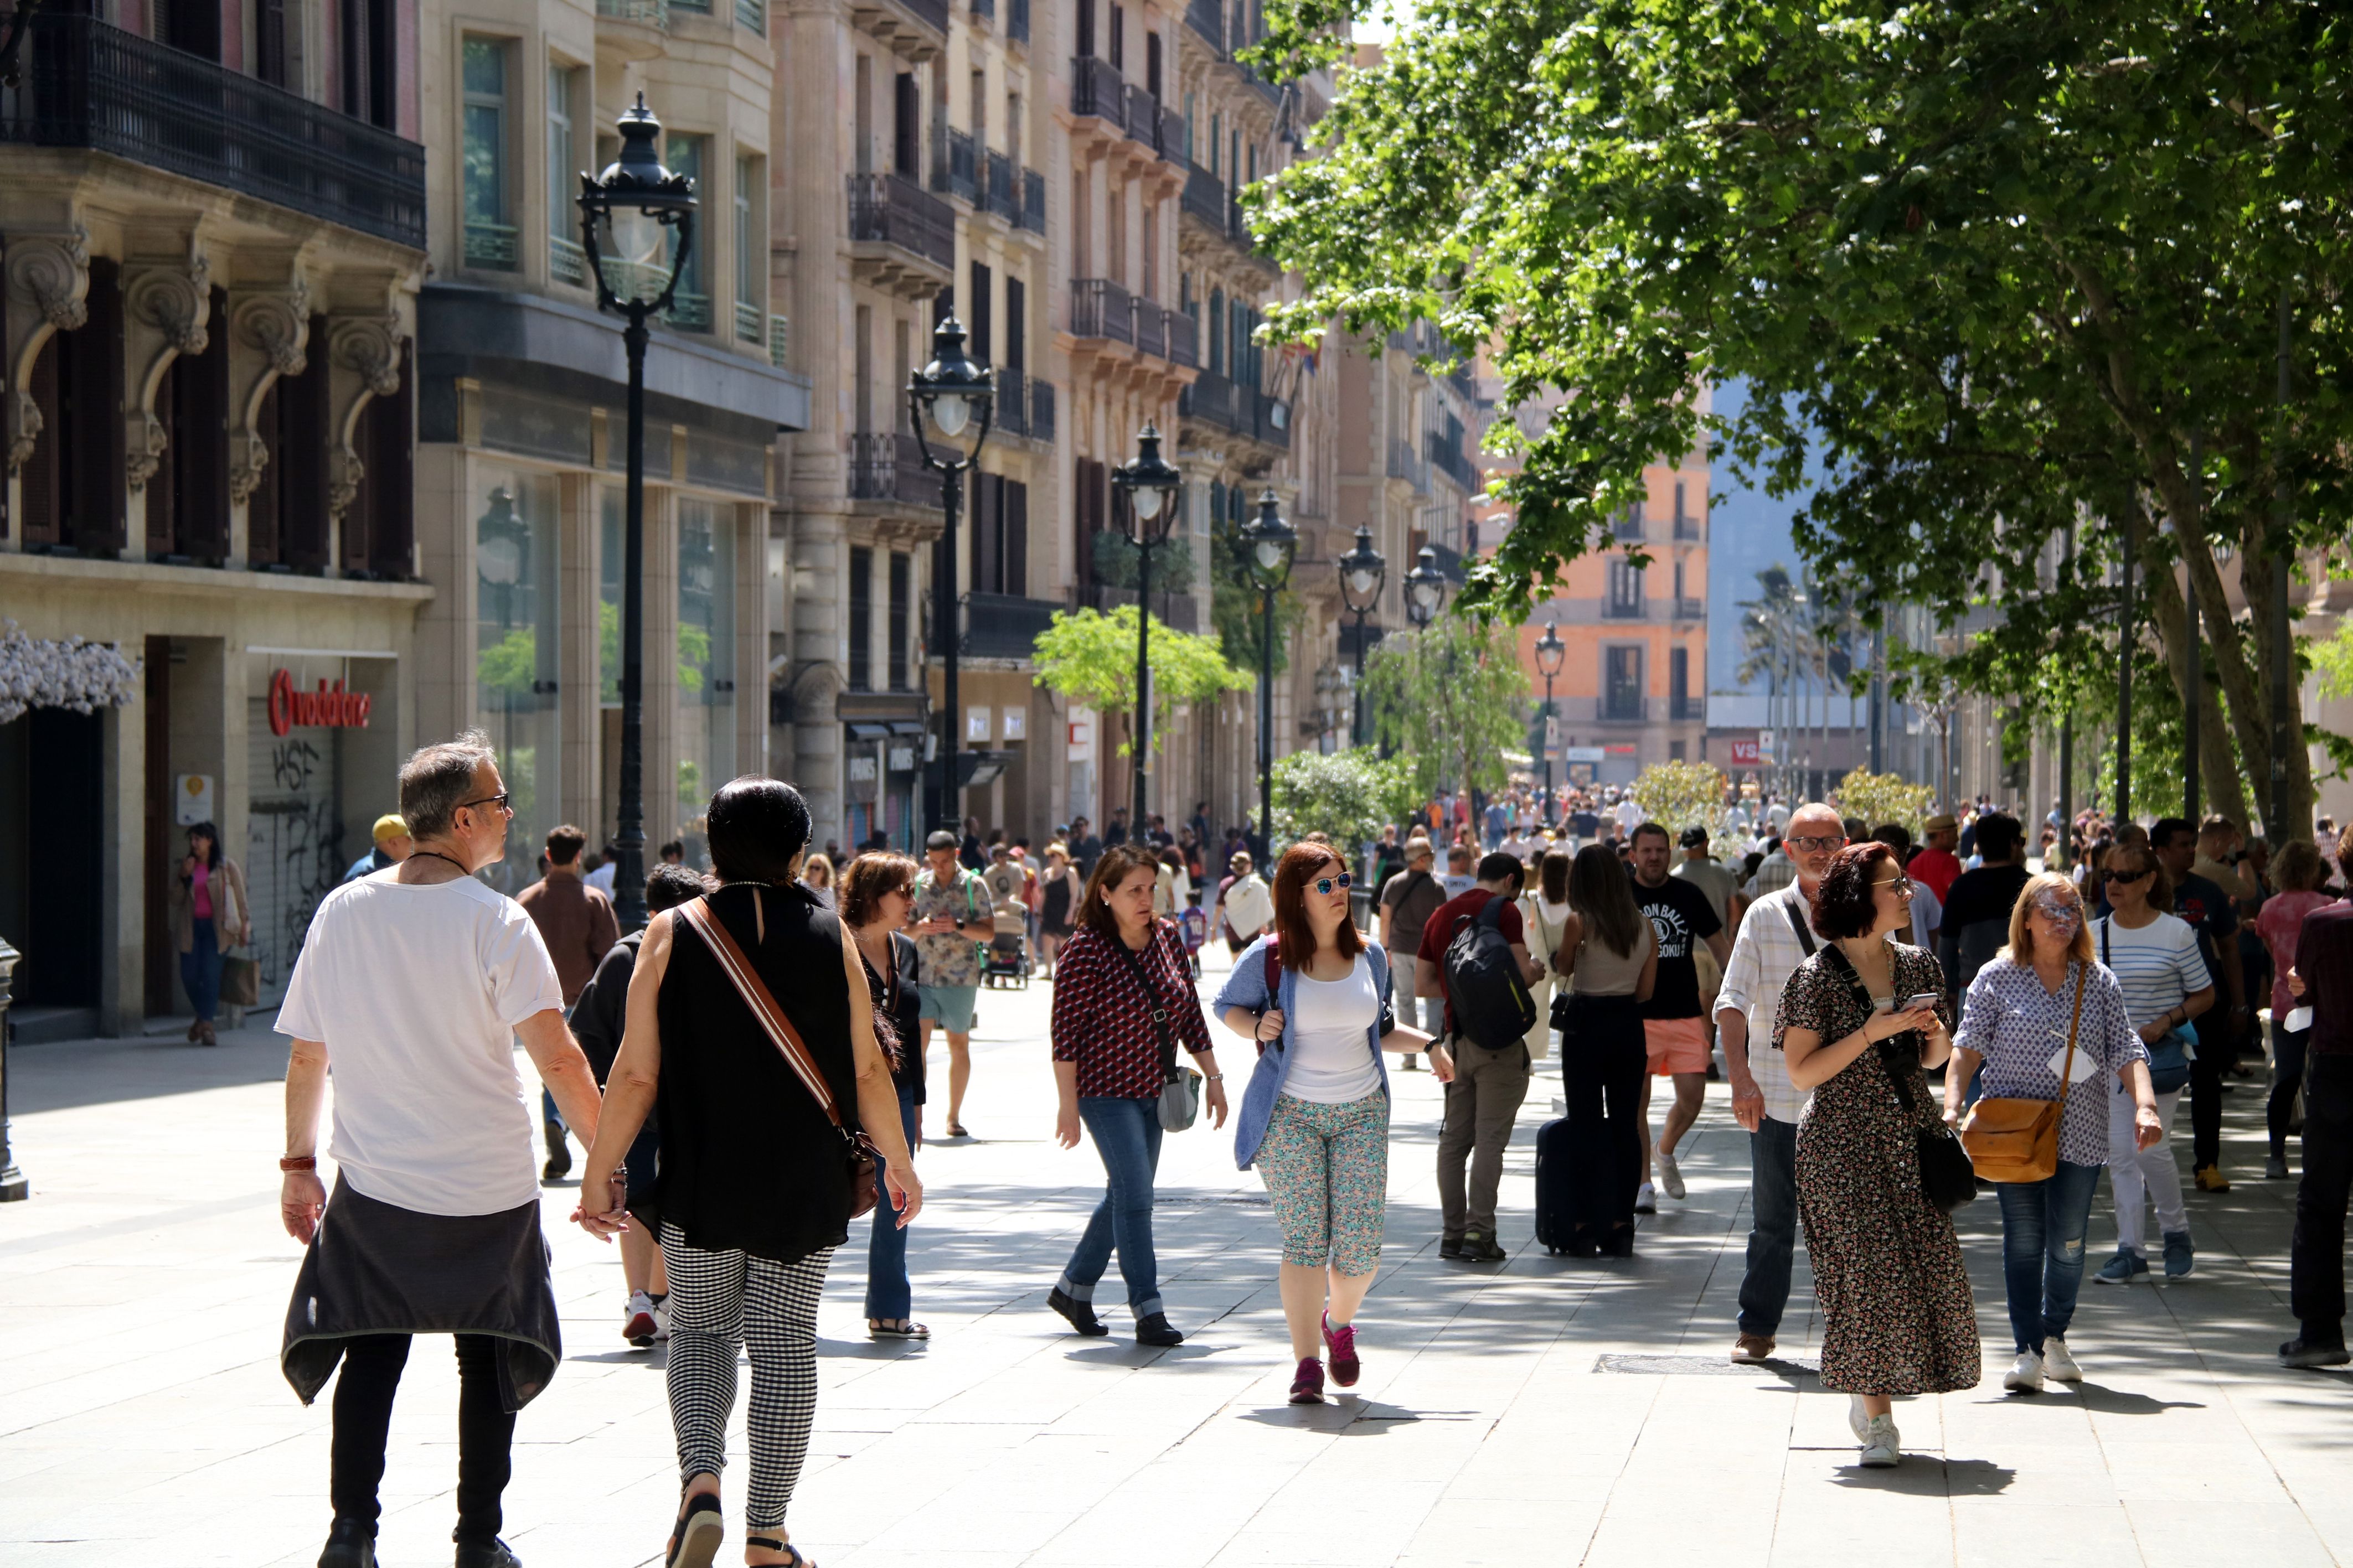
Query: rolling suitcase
{"points": [[1554, 1187]]}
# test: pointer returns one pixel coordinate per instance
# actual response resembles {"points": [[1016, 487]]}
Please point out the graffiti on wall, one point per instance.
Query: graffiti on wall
{"points": [[294, 853]]}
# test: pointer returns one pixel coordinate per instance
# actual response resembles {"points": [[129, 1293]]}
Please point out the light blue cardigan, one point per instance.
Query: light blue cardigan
{"points": [[1245, 987]]}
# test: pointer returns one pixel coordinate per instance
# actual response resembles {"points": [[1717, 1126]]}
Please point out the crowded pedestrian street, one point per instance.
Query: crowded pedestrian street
{"points": [[1540, 1410]]}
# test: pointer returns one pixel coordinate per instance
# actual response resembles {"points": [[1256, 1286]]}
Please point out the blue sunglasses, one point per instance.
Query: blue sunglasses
{"points": [[1342, 881]]}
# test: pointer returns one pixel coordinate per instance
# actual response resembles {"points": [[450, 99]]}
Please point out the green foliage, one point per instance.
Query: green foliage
{"points": [[693, 653], [1236, 607], [1115, 557], [1449, 700], [1880, 798], [1089, 657], [1677, 795], [1985, 268], [508, 666], [690, 783], [1348, 796]]}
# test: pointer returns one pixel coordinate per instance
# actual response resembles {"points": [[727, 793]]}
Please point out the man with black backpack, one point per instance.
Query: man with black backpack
{"points": [[1474, 954]]}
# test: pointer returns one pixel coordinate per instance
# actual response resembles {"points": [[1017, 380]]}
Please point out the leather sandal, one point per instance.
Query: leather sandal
{"points": [[792, 1556], [694, 1542]]}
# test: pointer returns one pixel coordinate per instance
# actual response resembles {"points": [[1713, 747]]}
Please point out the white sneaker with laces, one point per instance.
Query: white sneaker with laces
{"points": [[1883, 1445], [2057, 1364], [2025, 1375], [1671, 1177], [638, 1319], [1858, 1419], [661, 1322], [1646, 1199]]}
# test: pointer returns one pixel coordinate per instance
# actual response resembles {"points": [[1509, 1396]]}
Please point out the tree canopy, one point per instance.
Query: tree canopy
{"points": [[1448, 700], [2001, 271], [1348, 797], [1089, 657]]}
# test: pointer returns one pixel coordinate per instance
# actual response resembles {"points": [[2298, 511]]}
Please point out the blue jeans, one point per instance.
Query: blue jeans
{"points": [[887, 1293], [2043, 1227], [200, 969], [1772, 1226], [1127, 1135]]}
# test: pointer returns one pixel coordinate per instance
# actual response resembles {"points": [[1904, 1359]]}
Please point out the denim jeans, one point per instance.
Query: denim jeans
{"points": [[1127, 1135], [200, 969], [1772, 1226], [2043, 1227], [887, 1293]]}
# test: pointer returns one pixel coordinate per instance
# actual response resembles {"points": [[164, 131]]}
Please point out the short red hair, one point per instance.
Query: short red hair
{"points": [[1294, 937]]}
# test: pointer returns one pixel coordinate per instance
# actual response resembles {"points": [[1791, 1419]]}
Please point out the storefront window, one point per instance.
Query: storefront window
{"points": [[706, 662], [515, 656]]}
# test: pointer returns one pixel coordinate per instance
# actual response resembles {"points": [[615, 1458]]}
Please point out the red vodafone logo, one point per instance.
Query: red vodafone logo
{"points": [[328, 708]]}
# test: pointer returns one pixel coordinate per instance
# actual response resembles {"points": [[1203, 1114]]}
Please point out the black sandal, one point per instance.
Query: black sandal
{"points": [[694, 1542], [773, 1544]]}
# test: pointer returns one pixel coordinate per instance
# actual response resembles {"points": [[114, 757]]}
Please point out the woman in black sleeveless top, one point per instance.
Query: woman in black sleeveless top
{"points": [[753, 1186]]}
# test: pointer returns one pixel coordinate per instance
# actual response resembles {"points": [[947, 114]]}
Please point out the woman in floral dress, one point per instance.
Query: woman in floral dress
{"points": [[1898, 1317]]}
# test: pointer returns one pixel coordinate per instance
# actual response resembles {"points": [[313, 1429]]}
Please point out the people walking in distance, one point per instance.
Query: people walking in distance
{"points": [[1315, 1121], [599, 1019], [1244, 903], [1124, 1003], [817, 876], [1490, 1067], [1059, 896], [1407, 903], [1715, 880], [609, 865], [2048, 1021], [2321, 978], [2205, 908], [209, 913], [952, 920], [434, 1217], [576, 923], [1863, 1015], [1674, 1035], [2300, 874], [389, 845], [1608, 960], [1544, 915], [2165, 983], [1976, 916], [1927, 908], [1773, 940], [751, 1036], [878, 896]]}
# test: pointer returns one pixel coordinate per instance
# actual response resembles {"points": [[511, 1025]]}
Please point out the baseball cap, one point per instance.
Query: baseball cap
{"points": [[1694, 837], [391, 825]]}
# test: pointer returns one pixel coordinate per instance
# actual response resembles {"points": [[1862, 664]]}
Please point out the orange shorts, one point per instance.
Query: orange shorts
{"points": [[1676, 1045]]}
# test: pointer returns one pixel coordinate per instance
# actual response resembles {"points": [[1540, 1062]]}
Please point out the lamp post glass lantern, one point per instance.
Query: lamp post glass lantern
{"points": [[947, 397], [1550, 650], [1425, 588], [627, 214], [1149, 482], [1271, 544], [1363, 572]]}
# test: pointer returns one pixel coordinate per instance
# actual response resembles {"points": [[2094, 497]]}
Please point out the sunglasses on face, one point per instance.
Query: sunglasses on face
{"points": [[1325, 884], [1902, 885], [498, 800], [2122, 879]]}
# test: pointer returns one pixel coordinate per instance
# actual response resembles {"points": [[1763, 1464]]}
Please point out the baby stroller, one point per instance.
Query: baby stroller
{"points": [[1005, 962]]}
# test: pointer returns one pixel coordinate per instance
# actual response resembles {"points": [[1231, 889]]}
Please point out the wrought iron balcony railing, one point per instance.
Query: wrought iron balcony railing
{"points": [[1102, 309], [894, 210]]}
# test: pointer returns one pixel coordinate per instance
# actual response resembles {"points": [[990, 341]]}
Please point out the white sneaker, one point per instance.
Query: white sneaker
{"points": [[638, 1319], [1646, 1199], [1858, 1419], [661, 1322], [1671, 1179], [1883, 1445], [2025, 1375], [2057, 1364]]}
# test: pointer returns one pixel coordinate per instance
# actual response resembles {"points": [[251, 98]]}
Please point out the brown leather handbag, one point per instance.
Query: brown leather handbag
{"points": [[2015, 1140]]}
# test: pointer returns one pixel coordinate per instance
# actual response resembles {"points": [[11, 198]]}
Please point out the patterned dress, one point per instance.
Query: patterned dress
{"points": [[1898, 1316]]}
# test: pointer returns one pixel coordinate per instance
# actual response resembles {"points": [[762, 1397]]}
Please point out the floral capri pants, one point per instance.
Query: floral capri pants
{"points": [[1327, 1168]]}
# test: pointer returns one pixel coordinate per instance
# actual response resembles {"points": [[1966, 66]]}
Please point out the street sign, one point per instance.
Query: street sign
{"points": [[1744, 754], [1581, 753]]}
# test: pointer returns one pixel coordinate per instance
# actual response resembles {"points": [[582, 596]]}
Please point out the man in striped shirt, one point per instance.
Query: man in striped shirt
{"points": [[1769, 947]]}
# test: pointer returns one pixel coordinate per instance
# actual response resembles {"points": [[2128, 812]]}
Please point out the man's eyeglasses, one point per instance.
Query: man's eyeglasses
{"points": [[498, 800], [1835, 842], [1325, 884]]}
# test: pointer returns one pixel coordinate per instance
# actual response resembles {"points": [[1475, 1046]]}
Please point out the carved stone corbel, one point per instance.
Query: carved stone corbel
{"points": [[167, 308], [344, 472], [47, 291], [269, 335], [144, 441], [365, 347], [24, 430]]}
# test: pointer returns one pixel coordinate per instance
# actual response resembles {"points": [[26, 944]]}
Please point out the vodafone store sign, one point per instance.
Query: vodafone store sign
{"points": [[328, 708]]}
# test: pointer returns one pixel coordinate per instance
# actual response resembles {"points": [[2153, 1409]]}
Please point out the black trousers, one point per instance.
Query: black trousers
{"points": [[2216, 1051], [363, 1390], [2316, 1290], [1602, 1060]]}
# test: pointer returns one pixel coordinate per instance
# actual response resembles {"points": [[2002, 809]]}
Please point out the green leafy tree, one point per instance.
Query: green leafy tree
{"points": [[1997, 271], [1880, 798], [693, 652], [1677, 795], [1449, 700], [1089, 657], [1237, 608], [1348, 797]]}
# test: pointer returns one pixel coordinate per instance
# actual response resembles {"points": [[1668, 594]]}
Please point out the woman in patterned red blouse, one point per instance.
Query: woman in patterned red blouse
{"points": [[1124, 1002]]}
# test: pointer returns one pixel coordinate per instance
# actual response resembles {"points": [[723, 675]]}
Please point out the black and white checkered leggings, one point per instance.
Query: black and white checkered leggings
{"points": [[717, 1300]]}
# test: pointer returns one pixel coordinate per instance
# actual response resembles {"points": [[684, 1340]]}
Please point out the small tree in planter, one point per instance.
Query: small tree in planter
{"points": [[1348, 797], [1880, 798], [1677, 795]]}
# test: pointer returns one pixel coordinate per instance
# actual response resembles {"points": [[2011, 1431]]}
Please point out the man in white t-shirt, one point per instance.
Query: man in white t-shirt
{"points": [[414, 985]]}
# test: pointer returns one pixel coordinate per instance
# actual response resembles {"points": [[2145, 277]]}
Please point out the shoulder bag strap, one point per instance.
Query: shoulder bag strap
{"points": [[1797, 923], [1159, 1011], [737, 967], [1901, 1082], [2066, 1086]]}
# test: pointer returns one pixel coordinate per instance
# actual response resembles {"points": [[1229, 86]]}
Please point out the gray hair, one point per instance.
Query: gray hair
{"points": [[437, 779]]}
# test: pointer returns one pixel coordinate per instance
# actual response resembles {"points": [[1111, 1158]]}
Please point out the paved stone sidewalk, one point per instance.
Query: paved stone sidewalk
{"points": [[1541, 1411]]}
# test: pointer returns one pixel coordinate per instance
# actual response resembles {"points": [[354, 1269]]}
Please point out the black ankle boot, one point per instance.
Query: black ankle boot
{"points": [[1081, 1315], [490, 1553], [559, 1154], [351, 1544], [1154, 1329]]}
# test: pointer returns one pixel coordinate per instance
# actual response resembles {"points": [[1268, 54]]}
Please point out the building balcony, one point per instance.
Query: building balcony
{"points": [[963, 169], [1205, 198], [1240, 410], [1004, 188], [1684, 709], [493, 247], [1004, 626], [1033, 201], [1041, 411], [1633, 525], [1016, 21], [889, 466], [984, 10], [1622, 708], [1405, 464], [1208, 20], [917, 29], [1102, 309], [566, 262], [902, 236], [1025, 406], [1447, 458], [1687, 530], [1154, 126], [1690, 609], [1625, 609], [89, 85], [689, 313], [1097, 91], [1184, 339]]}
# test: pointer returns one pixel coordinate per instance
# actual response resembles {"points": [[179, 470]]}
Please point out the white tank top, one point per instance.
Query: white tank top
{"points": [[1331, 1023]]}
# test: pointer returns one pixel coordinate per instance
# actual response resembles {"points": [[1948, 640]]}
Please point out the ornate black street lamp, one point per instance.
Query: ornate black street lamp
{"points": [[631, 214], [1272, 542], [1550, 651], [950, 393], [1362, 573], [1425, 588], [1149, 482]]}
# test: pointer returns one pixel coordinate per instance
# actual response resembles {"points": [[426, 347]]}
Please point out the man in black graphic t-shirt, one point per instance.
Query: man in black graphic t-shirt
{"points": [[1672, 1025]]}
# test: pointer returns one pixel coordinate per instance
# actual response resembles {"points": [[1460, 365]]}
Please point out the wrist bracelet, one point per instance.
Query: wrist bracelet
{"points": [[1214, 1077], [298, 1163]]}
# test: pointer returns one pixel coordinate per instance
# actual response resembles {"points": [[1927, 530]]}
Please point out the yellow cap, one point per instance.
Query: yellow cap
{"points": [[391, 825]]}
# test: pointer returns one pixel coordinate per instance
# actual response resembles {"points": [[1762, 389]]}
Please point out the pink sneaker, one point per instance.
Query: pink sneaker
{"points": [[1342, 1343], [1307, 1387]]}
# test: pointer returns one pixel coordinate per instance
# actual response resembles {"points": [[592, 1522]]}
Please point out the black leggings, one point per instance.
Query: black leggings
{"points": [[363, 1390], [2287, 1076], [1602, 1059]]}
